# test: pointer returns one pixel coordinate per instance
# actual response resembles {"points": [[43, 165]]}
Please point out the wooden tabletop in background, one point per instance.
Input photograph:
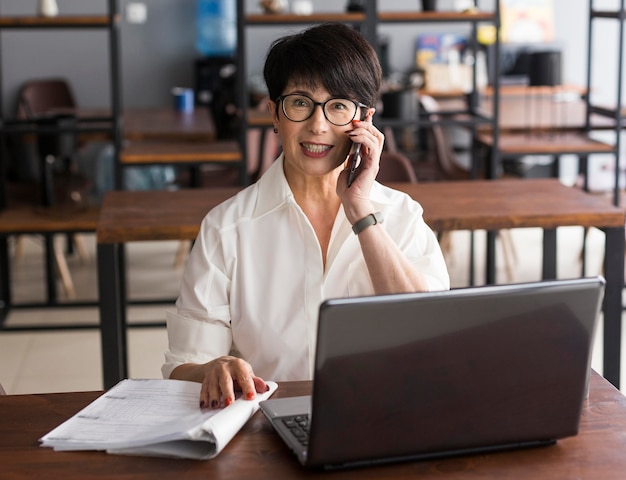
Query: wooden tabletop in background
{"points": [[464, 205]]}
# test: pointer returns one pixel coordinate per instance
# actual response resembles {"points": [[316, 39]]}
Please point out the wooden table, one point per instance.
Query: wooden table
{"points": [[538, 120], [164, 136], [168, 137], [45, 221], [256, 452], [472, 205], [545, 143], [166, 124], [533, 108]]}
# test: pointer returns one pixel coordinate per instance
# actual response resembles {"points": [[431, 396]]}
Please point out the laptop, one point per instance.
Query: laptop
{"points": [[426, 375]]}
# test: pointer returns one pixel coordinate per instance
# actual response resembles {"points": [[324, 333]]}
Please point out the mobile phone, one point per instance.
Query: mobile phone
{"points": [[354, 158]]}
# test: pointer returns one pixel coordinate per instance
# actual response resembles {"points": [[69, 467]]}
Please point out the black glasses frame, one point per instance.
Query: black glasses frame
{"points": [[321, 104]]}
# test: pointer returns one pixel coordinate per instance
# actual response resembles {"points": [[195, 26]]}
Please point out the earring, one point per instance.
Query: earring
{"points": [[275, 130]]}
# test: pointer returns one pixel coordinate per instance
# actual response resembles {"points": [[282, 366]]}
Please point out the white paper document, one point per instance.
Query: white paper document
{"points": [[154, 417]]}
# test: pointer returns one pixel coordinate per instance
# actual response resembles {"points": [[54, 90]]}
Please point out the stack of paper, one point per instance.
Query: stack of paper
{"points": [[154, 417]]}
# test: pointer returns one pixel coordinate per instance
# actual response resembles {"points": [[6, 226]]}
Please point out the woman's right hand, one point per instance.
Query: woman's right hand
{"points": [[222, 377]]}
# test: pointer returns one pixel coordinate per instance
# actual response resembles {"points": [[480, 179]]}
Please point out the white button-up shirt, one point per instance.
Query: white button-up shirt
{"points": [[255, 278]]}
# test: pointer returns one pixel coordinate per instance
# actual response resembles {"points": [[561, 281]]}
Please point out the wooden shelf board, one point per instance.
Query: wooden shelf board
{"points": [[60, 21], [269, 18], [434, 16]]}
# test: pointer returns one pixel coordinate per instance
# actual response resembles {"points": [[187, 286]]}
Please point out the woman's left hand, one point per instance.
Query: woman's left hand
{"points": [[355, 198]]}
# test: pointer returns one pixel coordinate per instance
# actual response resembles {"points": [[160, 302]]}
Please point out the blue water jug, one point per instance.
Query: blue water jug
{"points": [[216, 27]]}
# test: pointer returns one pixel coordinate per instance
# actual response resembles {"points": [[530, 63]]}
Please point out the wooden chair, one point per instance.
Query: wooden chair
{"points": [[48, 103]]}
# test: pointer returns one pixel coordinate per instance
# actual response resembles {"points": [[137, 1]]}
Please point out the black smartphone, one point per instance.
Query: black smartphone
{"points": [[354, 157]]}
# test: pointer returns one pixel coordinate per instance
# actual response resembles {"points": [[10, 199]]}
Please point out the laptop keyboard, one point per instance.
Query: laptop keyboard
{"points": [[298, 425]]}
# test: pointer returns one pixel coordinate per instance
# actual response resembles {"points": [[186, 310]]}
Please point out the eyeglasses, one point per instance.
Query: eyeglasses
{"points": [[338, 111]]}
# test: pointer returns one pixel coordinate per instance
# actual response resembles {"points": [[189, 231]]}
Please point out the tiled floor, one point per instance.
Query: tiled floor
{"points": [[69, 360]]}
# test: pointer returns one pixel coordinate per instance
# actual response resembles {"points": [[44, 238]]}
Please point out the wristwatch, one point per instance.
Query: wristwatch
{"points": [[371, 219]]}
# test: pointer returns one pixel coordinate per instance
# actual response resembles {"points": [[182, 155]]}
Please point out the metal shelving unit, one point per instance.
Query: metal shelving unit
{"points": [[109, 125], [615, 113], [367, 22]]}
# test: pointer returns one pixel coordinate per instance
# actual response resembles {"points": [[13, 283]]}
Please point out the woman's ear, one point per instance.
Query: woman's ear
{"points": [[272, 106]]}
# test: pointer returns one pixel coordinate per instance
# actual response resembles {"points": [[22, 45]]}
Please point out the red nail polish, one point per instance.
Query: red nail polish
{"points": [[250, 395], [228, 401]]}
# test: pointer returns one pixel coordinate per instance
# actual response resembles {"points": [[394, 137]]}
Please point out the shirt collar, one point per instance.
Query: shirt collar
{"points": [[274, 190]]}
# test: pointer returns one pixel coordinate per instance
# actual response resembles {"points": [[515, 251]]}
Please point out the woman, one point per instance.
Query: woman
{"points": [[265, 260]]}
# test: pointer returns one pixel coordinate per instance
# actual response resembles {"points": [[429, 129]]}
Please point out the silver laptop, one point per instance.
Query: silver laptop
{"points": [[426, 375]]}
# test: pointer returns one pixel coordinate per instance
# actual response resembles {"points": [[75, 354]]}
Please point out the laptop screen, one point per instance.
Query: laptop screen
{"points": [[475, 368]]}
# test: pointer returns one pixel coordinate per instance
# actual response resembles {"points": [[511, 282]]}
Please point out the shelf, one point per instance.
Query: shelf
{"points": [[368, 22], [613, 116], [68, 21], [387, 17], [441, 17], [276, 19]]}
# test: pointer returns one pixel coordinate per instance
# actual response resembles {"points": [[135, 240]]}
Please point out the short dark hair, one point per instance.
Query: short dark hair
{"points": [[332, 55]]}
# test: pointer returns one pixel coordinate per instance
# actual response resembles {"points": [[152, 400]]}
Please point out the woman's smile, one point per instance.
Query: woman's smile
{"points": [[315, 149]]}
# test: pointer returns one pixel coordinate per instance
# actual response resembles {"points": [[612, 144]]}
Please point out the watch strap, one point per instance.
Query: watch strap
{"points": [[371, 219]]}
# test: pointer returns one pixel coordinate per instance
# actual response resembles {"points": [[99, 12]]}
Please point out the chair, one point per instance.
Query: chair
{"points": [[54, 181], [395, 167], [445, 166], [50, 103], [44, 96]]}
